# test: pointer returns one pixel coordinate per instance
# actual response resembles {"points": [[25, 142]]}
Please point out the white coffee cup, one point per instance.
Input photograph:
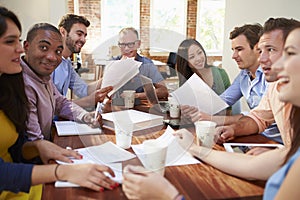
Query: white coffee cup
{"points": [[155, 156], [128, 96], [123, 131], [205, 131], [173, 107]]}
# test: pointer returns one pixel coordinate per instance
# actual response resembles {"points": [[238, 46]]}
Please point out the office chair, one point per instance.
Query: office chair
{"points": [[171, 63]]}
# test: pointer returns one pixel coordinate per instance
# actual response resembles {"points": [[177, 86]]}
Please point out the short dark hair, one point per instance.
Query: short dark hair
{"points": [[7, 14], [281, 23], [40, 26], [250, 31], [68, 20]]}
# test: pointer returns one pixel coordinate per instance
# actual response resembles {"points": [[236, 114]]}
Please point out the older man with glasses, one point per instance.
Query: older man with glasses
{"points": [[129, 43]]}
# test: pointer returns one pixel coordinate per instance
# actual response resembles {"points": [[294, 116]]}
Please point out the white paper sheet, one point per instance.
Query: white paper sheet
{"points": [[175, 154], [118, 73], [106, 153], [195, 92]]}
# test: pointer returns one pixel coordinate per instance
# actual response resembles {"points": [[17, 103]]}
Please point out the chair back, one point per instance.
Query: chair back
{"points": [[171, 63]]}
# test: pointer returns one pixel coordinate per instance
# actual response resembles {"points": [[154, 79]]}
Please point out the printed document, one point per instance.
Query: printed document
{"points": [[106, 154], [118, 73], [195, 92]]}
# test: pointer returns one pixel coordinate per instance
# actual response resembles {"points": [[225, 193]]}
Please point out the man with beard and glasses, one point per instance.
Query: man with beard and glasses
{"points": [[73, 29]]}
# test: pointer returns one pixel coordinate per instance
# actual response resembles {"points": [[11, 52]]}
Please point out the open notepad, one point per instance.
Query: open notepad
{"points": [[107, 154], [176, 155], [65, 128], [141, 120], [117, 73]]}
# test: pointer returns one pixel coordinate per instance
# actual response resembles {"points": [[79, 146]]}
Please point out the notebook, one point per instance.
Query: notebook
{"points": [[152, 98], [65, 128]]}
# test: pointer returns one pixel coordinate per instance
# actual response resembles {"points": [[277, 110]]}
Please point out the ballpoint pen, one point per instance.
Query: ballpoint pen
{"points": [[98, 110]]}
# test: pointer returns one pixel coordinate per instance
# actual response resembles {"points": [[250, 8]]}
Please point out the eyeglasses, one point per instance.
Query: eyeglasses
{"points": [[129, 44]]}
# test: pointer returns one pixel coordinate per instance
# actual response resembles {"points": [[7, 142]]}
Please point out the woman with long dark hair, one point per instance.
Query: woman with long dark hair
{"points": [[191, 58]]}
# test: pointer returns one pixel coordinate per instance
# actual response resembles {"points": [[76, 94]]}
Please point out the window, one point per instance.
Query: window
{"points": [[168, 24], [117, 14], [210, 25]]}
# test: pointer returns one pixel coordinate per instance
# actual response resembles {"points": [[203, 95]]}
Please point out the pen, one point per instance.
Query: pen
{"points": [[98, 110]]}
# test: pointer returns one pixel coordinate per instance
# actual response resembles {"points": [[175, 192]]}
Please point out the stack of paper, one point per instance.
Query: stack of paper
{"points": [[140, 120], [65, 128], [118, 73], [195, 92], [106, 154], [176, 155]]}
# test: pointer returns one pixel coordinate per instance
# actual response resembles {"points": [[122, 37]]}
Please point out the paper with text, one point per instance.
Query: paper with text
{"points": [[195, 92]]}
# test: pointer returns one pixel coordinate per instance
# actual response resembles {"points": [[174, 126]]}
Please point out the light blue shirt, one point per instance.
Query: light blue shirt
{"points": [[278, 177], [252, 90], [65, 77]]}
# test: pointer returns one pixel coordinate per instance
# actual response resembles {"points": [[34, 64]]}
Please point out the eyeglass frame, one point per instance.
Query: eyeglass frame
{"points": [[129, 44]]}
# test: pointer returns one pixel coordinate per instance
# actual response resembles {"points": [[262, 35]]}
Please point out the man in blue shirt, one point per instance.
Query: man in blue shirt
{"points": [[129, 43], [250, 82], [73, 29]]}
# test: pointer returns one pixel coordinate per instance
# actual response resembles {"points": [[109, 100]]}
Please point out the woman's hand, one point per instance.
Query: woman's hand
{"points": [[91, 176], [138, 183], [48, 151]]}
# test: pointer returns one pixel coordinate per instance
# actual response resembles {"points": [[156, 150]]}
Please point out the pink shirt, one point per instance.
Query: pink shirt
{"points": [[271, 109], [45, 102]]}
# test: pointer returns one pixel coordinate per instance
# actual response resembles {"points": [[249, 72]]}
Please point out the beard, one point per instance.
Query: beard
{"points": [[71, 44]]}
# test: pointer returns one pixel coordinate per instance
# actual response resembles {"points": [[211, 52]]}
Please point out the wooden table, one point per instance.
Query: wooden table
{"points": [[199, 181]]}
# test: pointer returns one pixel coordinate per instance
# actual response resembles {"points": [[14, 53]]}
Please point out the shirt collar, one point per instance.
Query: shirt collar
{"points": [[28, 70], [258, 72]]}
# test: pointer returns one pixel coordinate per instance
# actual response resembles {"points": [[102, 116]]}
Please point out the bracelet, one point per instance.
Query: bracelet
{"points": [[55, 172]]}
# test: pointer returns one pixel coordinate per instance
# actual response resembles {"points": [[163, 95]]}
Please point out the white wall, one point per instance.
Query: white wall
{"points": [[239, 12], [34, 11]]}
